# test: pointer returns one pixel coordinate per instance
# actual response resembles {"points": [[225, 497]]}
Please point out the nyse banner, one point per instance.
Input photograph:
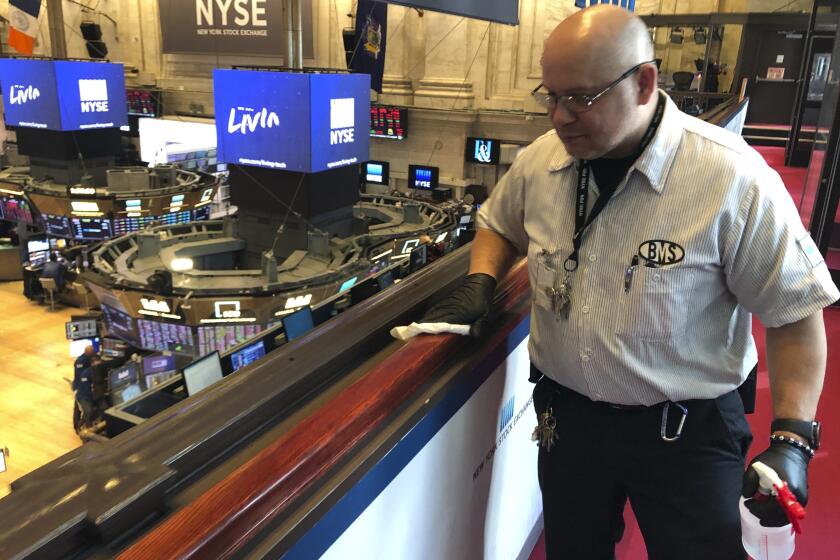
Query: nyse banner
{"points": [[229, 26], [292, 122]]}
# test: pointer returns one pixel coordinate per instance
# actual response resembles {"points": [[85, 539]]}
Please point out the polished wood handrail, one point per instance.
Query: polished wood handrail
{"points": [[223, 519]]}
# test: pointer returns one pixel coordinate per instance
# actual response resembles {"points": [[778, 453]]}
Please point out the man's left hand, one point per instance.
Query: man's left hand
{"points": [[791, 464]]}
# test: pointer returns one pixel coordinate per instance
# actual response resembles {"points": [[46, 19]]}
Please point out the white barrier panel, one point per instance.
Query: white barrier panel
{"points": [[466, 489]]}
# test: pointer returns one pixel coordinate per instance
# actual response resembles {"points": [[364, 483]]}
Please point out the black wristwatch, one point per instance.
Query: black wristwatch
{"points": [[810, 430]]}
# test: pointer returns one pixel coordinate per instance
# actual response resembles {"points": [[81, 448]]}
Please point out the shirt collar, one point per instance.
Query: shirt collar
{"points": [[657, 157]]}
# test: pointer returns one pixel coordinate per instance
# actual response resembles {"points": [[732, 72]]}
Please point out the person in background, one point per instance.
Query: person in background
{"points": [[652, 238], [55, 270], [83, 388]]}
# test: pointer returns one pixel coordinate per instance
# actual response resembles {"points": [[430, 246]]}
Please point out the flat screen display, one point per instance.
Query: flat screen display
{"points": [[158, 364], [91, 229], [247, 355], [483, 151], [143, 103], [63, 95], [388, 122], [85, 328], [419, 258], [156, 335], [201, 213], [297, 324], [57, 226], [124, 375], [377, 172], [15, 209], [296, 122], [120, 325], [422, 177], [203, 373]]}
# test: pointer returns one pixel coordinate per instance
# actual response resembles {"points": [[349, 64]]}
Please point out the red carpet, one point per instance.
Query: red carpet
{"points": [[819, 539]]}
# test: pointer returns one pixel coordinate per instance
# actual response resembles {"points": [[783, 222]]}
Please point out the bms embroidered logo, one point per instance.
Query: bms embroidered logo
{"points": [[342, 121], [246, 120], [507, 414], [660, 252], [18, 95], [94, 96]]}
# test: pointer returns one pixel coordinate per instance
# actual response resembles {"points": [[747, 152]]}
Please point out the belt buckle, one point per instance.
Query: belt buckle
{"points": [[663, 432]]}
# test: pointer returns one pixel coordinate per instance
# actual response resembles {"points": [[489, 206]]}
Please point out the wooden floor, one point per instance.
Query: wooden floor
{"points": [[36, 403]]}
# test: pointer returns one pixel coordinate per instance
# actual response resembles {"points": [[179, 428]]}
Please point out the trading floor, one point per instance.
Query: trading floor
{"points": [[36, 400]]}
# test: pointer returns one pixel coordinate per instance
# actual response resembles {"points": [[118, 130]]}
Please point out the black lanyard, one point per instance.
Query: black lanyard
{"points": [[582, 222]]}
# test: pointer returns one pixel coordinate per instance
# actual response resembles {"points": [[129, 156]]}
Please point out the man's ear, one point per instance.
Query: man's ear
{"points": [[647, 79]]}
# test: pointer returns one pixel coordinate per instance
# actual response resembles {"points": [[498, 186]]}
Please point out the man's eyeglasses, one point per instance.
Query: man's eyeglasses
{"points": [[580, 103]]}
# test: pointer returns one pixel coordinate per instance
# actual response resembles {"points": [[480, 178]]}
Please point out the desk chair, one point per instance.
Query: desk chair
{"points": [[50, 289], [682, 81]]}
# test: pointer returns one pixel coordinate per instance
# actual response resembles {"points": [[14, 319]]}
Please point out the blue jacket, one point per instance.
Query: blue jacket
{"points": [[83, 383]]}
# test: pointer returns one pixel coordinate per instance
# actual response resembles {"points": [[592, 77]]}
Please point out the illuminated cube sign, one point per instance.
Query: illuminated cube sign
{"points": [[63, 95], [294, 122]]}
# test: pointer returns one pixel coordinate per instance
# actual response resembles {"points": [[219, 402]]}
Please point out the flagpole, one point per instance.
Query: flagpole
{"points": [[55, 13]]}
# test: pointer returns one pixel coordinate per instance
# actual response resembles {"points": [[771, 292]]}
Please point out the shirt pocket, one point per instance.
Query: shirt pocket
{"points": [[656, 307], [542, 273]]}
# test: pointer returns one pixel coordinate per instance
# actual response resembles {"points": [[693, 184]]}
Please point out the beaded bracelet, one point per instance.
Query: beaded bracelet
{"points": [[796, 443]]}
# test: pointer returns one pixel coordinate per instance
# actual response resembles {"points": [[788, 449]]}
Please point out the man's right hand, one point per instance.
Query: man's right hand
{"points": [[469, 304]]}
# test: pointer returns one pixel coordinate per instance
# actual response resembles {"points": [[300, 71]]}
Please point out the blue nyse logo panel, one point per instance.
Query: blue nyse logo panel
{"points": [[30, 95], [340, 120], [91, 95], [294, 122], [63, 95]]}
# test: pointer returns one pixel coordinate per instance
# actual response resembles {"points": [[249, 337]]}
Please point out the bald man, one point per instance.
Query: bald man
{"points": [[651, 238]]}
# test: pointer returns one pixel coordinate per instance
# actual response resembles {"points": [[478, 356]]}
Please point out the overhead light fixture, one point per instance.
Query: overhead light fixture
{"points": [[677, 35], [699, 35]]}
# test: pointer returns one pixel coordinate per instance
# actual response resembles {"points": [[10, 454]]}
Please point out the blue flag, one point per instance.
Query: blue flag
{"points": [[369, 53]]}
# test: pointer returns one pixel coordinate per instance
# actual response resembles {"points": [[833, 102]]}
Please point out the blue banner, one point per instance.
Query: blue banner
{"points": [[371, 36], [501, 11], [63, 95], [292, 122]]}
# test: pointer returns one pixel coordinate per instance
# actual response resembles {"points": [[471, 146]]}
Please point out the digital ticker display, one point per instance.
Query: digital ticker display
{"points": [[295, 122], [388, 122], [63, 95]]}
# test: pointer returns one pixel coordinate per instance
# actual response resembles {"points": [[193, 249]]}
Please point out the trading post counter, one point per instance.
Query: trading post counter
{"points": [[316, 453]]}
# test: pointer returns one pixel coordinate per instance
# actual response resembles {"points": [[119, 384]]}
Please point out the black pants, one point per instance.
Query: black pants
{"points": [[684, 494]]}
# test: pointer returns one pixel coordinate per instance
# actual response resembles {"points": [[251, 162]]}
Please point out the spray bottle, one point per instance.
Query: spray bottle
{"points": [[771, 543]]}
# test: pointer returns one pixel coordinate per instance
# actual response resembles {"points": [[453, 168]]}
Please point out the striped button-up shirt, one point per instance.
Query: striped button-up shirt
{"points": [[717, 238]]}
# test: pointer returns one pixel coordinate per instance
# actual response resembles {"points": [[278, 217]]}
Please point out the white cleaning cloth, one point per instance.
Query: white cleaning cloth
{"points": [[412, 330]]}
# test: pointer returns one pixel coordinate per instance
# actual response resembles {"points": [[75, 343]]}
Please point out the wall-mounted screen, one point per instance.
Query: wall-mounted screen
{"points": [[378, 172], [422, 177], [143, 102], [388, 122], [483, 151]]}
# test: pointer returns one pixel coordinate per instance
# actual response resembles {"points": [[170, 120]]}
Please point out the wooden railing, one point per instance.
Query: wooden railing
{"points": [[228, 516]]}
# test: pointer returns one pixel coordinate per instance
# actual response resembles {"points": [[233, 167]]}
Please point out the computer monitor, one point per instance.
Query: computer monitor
{"points": [[377, 172], [297, 324], [203, 373], [419, 258], [124, 383], [364, 290], [423, 177], [385, 280], [158, 363], [114, 348], [247, 355], [81, 328], [38, 250]]}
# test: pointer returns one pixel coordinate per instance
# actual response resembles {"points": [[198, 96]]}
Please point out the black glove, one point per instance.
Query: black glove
{"points": [[469, 304], [791, 464]]}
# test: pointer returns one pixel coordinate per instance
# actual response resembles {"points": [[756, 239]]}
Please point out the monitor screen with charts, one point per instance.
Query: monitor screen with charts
{"points": [[203, 373], [247, 355]]}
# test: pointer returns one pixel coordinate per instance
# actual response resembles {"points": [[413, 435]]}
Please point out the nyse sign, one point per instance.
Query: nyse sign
{"points": [[229, 26]]}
